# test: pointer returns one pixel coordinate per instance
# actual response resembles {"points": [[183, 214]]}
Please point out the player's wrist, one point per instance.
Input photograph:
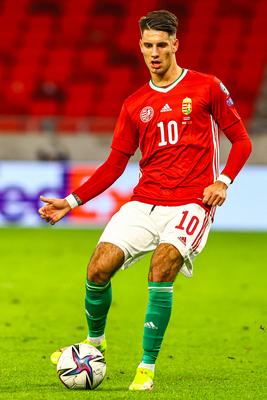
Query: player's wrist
{"points": [[73, 200], [225, 179]]}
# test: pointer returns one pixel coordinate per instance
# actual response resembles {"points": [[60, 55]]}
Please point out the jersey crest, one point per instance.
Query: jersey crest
{"points": [[187, 106], [146, 114]]}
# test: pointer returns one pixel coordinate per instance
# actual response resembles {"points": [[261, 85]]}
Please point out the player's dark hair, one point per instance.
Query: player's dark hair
{"points": [[161, 20]]}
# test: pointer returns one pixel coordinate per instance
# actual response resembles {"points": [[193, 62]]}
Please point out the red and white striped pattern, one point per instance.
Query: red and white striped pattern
{"points": [[216, 145], [197, 242]]}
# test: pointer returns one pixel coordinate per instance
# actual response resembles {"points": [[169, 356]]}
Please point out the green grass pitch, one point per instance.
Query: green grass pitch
{"points": [[215, 346]]}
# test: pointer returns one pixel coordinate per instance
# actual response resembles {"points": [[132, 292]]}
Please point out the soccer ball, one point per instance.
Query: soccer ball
{"points": [[81, 366]]}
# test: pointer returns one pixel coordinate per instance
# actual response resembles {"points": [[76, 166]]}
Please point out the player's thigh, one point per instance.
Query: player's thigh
{"points": [[132, 230], [166, 262], [188, 232], [105, 261]]}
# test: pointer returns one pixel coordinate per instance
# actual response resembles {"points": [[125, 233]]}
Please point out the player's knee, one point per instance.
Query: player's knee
{"points": [[166, 254], [166, 273], [97, 270], [165, 264], [97, 275], [105, 261]]}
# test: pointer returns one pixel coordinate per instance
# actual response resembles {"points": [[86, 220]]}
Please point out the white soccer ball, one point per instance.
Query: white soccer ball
{"points": [[81, 366]]}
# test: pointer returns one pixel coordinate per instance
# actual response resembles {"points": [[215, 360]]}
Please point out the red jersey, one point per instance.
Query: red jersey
{"points": [[176, 128]]}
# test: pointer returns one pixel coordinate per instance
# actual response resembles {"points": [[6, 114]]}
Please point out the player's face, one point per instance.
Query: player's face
{"points": [[158, 49]]}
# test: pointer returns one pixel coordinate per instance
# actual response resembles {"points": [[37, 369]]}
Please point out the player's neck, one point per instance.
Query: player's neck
{"points": [[169, 77]]}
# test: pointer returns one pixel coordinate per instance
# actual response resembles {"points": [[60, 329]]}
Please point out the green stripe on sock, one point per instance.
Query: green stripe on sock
{"points": [[157, 319], [97, 303]]}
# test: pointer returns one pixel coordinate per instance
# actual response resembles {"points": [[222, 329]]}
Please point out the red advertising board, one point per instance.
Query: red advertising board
{"points": [[98, 210]]}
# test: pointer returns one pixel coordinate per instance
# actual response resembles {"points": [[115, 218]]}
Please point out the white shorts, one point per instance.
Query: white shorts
{"points": [[138, 228]]}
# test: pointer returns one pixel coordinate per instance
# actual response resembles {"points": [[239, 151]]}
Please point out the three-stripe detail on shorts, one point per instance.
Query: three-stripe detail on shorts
{"points": [[200, 234]]}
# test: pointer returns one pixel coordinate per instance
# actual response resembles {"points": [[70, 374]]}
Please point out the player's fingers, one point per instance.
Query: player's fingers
{"points": [[213, 200], [207, 197], [46, 199], [54, 218], [46, 219], [218, 201], [215, 203], [220, 198], [53, 221], [42, 211]]}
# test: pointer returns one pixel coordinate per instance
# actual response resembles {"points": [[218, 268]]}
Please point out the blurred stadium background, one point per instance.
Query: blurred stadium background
{"points": [[65, 68]]}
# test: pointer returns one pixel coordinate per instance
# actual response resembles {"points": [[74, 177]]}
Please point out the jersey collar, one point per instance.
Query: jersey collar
{"points": [[169, 87]]}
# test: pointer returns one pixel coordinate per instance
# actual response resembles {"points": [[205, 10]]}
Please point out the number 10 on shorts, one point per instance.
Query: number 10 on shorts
{"points": [[188, 224]]}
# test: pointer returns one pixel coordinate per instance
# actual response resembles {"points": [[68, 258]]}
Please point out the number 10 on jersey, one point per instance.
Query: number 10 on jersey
{"points": [[169, 135]]}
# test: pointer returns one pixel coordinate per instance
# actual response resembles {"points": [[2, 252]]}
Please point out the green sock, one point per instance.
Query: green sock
{"points": [[97, 302], [157, 318]]}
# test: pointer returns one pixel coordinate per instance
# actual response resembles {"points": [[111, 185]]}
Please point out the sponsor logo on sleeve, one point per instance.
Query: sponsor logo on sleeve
{"points": [[224, 90], [146, 114], [229, 101]]}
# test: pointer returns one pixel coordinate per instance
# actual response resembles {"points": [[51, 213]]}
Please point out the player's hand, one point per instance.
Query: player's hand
{"points": [[54, 209], [215, 194]]}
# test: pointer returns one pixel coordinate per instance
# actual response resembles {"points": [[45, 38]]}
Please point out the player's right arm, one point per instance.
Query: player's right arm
{"points": [[55, 209], [124, 144]]}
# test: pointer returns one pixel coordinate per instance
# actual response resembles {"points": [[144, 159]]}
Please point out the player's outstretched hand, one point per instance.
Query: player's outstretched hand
{"points": [[215, 194], [54, 209]]}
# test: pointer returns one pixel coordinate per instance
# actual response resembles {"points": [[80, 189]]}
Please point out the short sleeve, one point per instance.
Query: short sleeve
{"points": [[222, 106], [125, 137]]}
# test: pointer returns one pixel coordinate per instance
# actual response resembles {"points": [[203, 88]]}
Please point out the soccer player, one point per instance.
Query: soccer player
{"points": [[174, 120]]}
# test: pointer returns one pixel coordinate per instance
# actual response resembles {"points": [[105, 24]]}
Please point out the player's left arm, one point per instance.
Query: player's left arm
{"points": [[215, 194], [230, 122]]}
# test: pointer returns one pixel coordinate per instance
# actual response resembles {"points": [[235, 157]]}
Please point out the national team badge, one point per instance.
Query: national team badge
{"points": [[229, 102], [146, 114], [187, 106]]}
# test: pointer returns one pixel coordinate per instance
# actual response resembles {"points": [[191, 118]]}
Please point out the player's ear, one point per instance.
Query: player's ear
{"points": [[141, 45], [175, 45]]}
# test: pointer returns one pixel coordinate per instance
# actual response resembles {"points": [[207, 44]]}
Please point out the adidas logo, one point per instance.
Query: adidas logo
{"points": [[150, 325], [182, 239], [166, 108]]}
